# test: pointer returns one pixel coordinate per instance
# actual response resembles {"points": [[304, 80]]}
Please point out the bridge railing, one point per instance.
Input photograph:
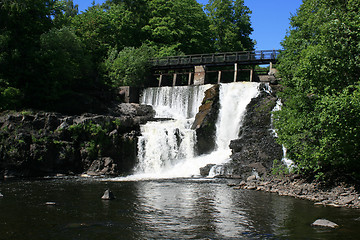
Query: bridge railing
{"points": [[216, 58]]}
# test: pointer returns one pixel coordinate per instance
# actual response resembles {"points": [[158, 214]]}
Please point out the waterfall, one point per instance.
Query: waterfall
{"points": [[234, 97], [164, 144], [180, 102], [288, 162], [166, 148]]}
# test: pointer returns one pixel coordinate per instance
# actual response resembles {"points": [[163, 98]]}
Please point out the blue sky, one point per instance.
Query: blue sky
{"points": [[269, 18]]}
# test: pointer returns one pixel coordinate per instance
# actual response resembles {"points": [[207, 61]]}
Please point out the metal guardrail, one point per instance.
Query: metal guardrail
{"points": [[251, 57]]}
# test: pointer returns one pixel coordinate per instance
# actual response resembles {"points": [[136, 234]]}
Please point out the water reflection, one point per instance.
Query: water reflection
{"points": [[206, 210], [164, 209]]}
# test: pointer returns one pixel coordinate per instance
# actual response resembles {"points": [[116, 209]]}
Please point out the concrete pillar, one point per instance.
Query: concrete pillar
{"points": [[189, 80], [161, 76], [235, 71], [251, 75], [219, 77], [129, 94], [174, 79], [271, 67], [199, 75]]}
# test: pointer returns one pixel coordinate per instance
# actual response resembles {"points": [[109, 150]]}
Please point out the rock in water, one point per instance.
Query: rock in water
{"points": [[1, 195], [204, 171], [108, 195], [324, 223]]}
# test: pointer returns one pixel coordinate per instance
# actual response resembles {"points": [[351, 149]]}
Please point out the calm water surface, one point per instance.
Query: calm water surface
{"points": [[163, 209]]}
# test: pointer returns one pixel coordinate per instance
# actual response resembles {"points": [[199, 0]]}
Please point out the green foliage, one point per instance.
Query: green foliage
{"points": [[129, 67], [338, 126], [117, 122], [177, 27], [64, 10], [230, 25], [52, 58], [93, 136], [102, 28], [63, 62], [279, 169], [320, 68], [10, 98], [21, 24]]}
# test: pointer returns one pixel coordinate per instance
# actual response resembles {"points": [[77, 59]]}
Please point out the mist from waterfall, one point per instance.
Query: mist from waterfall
{"points": [[166, 149]]}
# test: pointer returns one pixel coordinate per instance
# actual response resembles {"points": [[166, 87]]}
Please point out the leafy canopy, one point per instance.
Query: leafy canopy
{"points": [[320, 67], [230, 25], [49, 50]]}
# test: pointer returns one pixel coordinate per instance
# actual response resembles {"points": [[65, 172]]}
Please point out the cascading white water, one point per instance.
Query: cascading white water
{"points": [[164, 144], [166, 148], [234, 97], [181, 102]]}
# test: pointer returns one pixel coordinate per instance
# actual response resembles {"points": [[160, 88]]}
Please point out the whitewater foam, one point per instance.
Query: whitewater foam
{"points": [[166, 149]]}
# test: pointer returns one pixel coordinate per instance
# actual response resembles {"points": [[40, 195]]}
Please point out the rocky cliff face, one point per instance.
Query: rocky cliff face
{"points": [[40, 143], [205, 121], [255, 149]]}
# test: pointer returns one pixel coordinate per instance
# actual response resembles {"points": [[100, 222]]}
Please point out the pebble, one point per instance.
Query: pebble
{"points": [[50, 203]]}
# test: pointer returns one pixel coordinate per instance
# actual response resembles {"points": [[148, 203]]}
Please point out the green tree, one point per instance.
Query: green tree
{"points": [[64, 66], [64, 11], [107, 26], [21, 24], [177, 27], [129, 67], [320, 68], [230, 25]]}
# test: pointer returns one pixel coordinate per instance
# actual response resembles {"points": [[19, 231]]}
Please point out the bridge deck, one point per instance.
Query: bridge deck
{"points": [[216, 59]]}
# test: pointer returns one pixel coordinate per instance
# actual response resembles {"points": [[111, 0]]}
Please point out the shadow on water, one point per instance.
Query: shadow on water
{"points": [[162, 209]]}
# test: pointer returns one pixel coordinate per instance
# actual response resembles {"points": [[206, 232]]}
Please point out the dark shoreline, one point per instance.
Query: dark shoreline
{"points": [[341, 195]]}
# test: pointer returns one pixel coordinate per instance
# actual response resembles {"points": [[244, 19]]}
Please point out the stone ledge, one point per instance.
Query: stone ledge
{"points": [[339, 196]]}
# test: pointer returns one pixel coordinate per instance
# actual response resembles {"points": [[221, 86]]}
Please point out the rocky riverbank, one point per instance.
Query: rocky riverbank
{"points": [[36, 144], [294, 186]]}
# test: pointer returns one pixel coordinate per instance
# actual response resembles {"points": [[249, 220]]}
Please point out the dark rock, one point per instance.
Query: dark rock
{"points": [[108, 195], [205, 121], [132, 110], [256, 148], [103, 166], [204, 171], [42, 143], [324, 223]]}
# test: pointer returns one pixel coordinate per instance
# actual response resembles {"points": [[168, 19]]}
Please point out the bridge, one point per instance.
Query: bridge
{"points": [[196, 65]]}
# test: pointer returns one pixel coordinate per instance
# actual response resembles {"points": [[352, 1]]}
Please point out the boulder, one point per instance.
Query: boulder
{"points": [[251, 178], [132, 110], [324, 223], [108, 195], [205, 121], [102, 166], [204, 171]]}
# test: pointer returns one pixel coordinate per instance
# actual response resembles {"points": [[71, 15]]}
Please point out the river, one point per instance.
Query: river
{"points": [[160, 209], [165, 198]]}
